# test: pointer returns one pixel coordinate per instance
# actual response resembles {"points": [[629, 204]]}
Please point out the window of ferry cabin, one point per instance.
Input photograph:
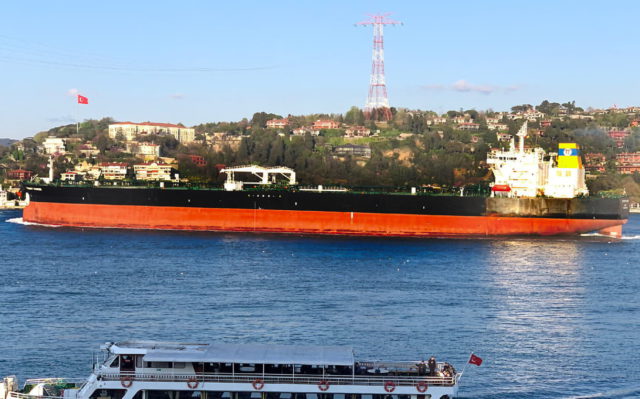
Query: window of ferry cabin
{"points": [[127, 363]]}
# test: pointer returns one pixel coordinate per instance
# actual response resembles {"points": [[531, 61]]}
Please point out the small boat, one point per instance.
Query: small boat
{"points": [[170, 370]]}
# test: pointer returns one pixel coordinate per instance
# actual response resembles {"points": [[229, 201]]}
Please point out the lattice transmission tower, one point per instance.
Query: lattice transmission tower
{"points": [[377, 106]]}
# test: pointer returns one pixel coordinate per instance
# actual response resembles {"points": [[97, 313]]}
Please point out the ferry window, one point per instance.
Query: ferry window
{"points": [[108, 394], [159, 365], [116, 362], [159, 394], [138, 362], [339, 396], [218, 395], [187, 395], [558, 173], [178, 365], [568, 173]]}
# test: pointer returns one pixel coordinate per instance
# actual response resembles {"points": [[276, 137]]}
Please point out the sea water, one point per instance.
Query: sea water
{"points": [[551, 318]]}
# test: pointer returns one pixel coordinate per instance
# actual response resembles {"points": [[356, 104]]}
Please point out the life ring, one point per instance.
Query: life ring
{"points": [[323, 385], [126, 381], [389, 386], [192, 383], [422, 387], [258, 384]]}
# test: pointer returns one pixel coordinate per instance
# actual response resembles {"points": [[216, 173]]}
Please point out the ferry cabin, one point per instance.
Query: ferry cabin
{"points": [[152, 370]]}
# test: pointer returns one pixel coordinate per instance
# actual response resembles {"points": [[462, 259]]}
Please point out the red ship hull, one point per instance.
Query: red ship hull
{"points": [[306, 222]]}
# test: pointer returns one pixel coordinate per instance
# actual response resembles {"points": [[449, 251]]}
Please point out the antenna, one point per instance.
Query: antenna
{"points": [[377, 106]]}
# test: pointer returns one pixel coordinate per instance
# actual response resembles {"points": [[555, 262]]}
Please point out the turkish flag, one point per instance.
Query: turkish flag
{"points": [[475, 360], [82, 99]]}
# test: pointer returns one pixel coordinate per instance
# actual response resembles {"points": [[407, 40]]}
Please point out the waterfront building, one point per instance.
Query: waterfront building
{"points": [[113, 170], [152, 171], [71, 176]]}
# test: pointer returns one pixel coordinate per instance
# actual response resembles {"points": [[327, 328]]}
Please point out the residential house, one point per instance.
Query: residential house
{"points": [[152, 171], [113, 170], [628, 162], [88, 150], [54, 146], [363, 151], [619, 136], [469, 126], [357, 131], [325, 124], [19, 174], [277, 123], [71, 176], [595, 162]]}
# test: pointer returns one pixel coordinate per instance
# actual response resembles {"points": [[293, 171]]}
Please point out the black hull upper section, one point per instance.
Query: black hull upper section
{"points": [[291, 200]]}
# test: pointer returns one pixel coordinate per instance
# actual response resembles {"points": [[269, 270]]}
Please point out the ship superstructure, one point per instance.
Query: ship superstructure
{"points": [[165, 370], [528, 173]]}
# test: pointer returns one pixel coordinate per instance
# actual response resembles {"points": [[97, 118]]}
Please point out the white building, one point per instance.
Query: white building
{"points": [[71, 176], [143, 148], [152, 171], [497, 126], [113, 170], [54, 146], [130, 130]]}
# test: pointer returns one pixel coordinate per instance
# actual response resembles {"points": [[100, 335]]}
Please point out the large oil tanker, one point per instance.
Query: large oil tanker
{"points": [[534, 193]]}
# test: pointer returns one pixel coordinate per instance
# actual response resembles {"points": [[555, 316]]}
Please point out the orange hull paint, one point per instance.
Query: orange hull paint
{"points": [[305, 222]]}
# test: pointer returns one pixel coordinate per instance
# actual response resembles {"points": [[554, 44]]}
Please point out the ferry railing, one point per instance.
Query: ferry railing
{"points": [[308, 379], [35, 381], [18, 395]]}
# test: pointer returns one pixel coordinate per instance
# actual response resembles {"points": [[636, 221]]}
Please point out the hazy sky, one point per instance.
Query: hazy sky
{"points": [[203, 61]]}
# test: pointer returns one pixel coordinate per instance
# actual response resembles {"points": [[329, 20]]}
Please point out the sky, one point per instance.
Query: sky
{"points": [[193, 62]]}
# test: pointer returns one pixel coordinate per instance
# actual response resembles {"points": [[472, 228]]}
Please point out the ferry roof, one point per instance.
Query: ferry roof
{"points": [[238, 353]]}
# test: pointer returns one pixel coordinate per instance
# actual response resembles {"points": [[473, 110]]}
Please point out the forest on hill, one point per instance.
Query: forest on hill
{"points": [[414, 148]]}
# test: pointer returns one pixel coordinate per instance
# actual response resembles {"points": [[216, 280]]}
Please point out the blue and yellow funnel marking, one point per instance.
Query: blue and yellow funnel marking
{"points": [[569, 156]]}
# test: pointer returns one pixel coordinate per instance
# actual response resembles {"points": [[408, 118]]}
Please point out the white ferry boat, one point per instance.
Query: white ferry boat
{"points": [[168, 370]]}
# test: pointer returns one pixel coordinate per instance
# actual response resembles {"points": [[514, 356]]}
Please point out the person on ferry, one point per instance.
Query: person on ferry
{"points": [[433, 364], [422, 368]]}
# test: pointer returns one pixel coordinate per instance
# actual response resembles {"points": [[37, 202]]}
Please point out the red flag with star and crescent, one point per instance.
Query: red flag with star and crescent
{"points": [[475, 360], [82, 99]]}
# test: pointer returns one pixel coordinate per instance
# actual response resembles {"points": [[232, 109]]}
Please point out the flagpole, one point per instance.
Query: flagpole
{"points": [[465, 367]]}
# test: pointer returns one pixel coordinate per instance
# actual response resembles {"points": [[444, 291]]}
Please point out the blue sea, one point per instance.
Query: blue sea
{"points": [[551, 318]]}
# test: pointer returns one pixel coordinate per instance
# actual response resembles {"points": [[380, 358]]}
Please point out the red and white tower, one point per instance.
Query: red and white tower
{"points": [[377, 106]]}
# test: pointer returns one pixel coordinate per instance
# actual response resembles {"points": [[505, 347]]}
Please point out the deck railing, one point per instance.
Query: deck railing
{"points": [[18, 395], [309, 379]]}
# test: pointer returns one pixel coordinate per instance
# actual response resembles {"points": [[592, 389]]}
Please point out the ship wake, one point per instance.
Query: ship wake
{"points": [[22, 222], [632, 237]]}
